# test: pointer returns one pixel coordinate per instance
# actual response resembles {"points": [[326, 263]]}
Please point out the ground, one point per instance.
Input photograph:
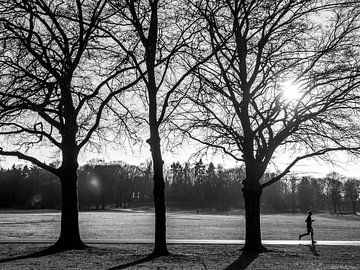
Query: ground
{"points": [[183, 257], [134, 224]]}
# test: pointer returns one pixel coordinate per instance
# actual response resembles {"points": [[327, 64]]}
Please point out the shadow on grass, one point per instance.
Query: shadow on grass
{"points": [[313, 250], [126, 265], [246, 258], [38, 254]]}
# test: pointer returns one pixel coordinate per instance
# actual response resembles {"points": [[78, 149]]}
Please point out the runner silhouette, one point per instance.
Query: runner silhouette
{"points": [[310, 230]]}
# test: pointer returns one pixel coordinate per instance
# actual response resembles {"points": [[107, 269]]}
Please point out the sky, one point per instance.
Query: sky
{"points": [[140, 154], [349, 167]]}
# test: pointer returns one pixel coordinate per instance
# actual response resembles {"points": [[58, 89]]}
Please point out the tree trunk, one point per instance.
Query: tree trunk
{"points": [[293, 186], [103, 199], [70, 234], [354, 207], [252, 194], [160, 248]]}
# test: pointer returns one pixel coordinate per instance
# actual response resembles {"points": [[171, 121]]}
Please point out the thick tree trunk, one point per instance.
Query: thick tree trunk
{"points": [[70, 234], [160, 248], [252, 194]]}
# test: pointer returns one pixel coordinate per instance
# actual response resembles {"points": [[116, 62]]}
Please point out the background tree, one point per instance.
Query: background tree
{"points": [[114, 185], [24, 187], [352, 193], [334, 190], [10, 184], [318, 197], [291, 183], [223, 188], [199, 182], [54, 87], [211, 184], [305, 194], [283, 79], [272, 197], [181, 185], [177, 180], [28, 187]]}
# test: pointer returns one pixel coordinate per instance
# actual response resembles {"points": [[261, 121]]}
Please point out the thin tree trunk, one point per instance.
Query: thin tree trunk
{"points": [[252, 194], [293, 186], [150, 45], [160, 248]]}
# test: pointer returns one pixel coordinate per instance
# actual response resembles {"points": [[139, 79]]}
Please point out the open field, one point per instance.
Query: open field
{"points": [[134, 224], [183, 257]]}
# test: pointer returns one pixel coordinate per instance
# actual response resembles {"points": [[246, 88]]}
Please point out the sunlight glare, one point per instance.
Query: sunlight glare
{"points": [[290, 90], [95, 185]]}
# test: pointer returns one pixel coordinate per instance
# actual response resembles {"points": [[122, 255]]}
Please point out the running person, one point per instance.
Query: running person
{"points": [[310, 230]]}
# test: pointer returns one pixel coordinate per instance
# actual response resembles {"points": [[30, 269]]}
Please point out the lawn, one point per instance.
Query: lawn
{"points": [[181, 225]]}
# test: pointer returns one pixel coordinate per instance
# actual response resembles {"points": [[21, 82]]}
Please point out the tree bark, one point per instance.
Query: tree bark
{"points": [[160, 248], [252, 195], [70, 233]]}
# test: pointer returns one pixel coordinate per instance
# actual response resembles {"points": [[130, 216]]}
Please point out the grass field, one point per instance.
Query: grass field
{"points": [[181, 225]]}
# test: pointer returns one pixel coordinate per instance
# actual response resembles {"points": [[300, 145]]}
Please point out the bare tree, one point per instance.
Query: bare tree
{"points": [[54, 86], [163, 35], [245, 102], [352, 193], [305, 194], [292, 181], [334, 190]]}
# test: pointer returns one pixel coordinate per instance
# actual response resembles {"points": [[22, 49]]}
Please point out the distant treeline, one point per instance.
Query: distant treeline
{"points": [[191, 186], [334, 193]]}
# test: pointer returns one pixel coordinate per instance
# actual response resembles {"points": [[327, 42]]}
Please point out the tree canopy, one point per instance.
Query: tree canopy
{"points": [[284, 79], [56, 71], [249, 78], [285, 75]]}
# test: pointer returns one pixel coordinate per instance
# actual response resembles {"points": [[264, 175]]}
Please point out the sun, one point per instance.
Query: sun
{"points": [[290, 90]]}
